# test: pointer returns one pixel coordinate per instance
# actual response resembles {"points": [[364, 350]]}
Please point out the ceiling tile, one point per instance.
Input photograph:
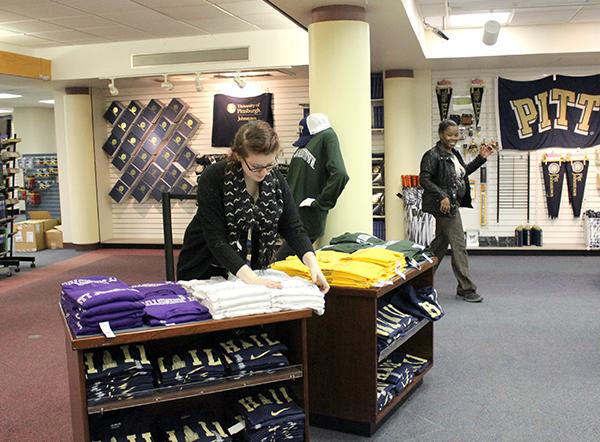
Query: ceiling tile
{"points": [[587, 14], [549, 16], [7, 17], [270, 21], [81, 21], [114, 33], [173, 28], [42, 10], [23, 40], [223, 25], [31, 27], [192, 12], [100, 7], [247, 7], [171, 3], [63, 36]]}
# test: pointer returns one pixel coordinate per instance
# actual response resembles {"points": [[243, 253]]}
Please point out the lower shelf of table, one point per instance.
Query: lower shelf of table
{"points": [[369, 426], [197, 389]]}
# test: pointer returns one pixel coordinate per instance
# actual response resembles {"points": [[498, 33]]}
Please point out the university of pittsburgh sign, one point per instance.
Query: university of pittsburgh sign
{"points": [[555, 111]]}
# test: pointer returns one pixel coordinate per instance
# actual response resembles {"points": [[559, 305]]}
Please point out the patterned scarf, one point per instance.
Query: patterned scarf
{"points": [[243, 214]]}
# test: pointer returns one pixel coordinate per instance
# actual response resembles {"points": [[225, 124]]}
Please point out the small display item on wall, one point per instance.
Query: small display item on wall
{"points": [[113, 112], [119, 191]]}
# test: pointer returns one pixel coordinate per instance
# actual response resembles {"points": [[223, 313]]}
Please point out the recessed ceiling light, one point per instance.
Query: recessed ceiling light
{"points": [[47, 101], [4, 96], [477, 20]]}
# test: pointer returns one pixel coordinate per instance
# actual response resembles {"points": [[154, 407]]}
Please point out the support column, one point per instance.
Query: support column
{"points": [[82, 222], [399, 144], [339, 86]]}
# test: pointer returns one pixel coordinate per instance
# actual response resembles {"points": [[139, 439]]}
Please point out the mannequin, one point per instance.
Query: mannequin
{"points": [[317, 175]]}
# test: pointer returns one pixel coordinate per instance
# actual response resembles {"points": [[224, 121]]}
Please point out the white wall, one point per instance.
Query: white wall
{"points": [[35, 127], [565, 231]]}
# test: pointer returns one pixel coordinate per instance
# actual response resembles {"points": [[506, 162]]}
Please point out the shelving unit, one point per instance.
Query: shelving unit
{"points": [[343, 353], [290, 327], [42, 170], [377, 184], [8, 159]]}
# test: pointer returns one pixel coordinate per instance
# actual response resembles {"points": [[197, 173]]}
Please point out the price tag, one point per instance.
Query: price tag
{"points": [[237, 428], [105, 327]]}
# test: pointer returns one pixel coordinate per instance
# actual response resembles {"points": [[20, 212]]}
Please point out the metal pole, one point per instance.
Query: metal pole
{"points": [[168, 236]]}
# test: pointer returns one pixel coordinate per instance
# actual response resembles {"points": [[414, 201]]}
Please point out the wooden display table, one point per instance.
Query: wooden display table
{"points": [[343, 356], [289, 327]]}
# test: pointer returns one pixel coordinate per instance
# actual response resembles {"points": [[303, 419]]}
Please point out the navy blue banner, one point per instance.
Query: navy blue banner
{"points": [[230, 113], [557, 111]]}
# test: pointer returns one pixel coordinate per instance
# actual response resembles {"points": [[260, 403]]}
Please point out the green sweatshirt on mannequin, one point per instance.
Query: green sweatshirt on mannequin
{"points": [[317, 171]]}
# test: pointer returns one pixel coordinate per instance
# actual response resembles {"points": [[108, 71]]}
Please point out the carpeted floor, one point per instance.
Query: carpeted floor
{"points": [[521, 366]]}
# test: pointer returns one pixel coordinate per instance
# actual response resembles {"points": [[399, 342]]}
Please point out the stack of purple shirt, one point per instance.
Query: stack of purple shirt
{"points": [[167, 303], [90, 300]]}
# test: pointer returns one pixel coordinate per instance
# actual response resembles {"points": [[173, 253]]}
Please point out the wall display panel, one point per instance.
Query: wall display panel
{"points": [[133, 221], [493, 201]]}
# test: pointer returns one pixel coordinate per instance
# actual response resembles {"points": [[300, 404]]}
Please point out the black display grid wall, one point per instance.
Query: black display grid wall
{"points": [[564, 232], [134, 222]]}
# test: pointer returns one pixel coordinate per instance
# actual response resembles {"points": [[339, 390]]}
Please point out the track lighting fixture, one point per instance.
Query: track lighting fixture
{"points": [[239, 81], [112, 88], [491, 29], [198, 83], [166, 84], [436, 31]]}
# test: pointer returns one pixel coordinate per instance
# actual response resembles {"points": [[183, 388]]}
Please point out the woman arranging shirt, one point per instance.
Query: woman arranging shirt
{"points": [[244, 198], [445, 179]]}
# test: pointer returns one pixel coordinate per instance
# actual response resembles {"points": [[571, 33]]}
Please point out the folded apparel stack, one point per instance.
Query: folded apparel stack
{"points": [[91, 300], [253, 352], [117, 372], [228, 299], [398, 374], [420, 302], [392, 324], [187, 364], [167, 303], [385, 394], [272, 416], [197, 427], [122, 426], [296, 293]]}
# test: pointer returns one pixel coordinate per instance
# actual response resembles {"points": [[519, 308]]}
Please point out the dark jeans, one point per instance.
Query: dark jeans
{"points": [[449, 231]]}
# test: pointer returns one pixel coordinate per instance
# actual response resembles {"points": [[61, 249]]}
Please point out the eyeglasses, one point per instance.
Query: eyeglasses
{"points": [[268, 167]]}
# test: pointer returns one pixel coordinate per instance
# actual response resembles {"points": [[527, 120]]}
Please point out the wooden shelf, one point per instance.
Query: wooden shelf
{"points": [[143, 334], [377, 129], [401, 341], [399, 399], [196, 389]]}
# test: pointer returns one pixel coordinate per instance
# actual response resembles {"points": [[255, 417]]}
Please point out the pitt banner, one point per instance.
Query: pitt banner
{"points": [[555, 111], [553, 171], [230, 113], [576, 172]]}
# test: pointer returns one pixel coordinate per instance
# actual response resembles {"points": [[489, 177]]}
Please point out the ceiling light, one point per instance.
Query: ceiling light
{"points": [[490, 32], [239, 81], [198, 83], [5, 96], [47, 101], [166, 84], [6, 111], [112, 88], [436, 31], [477, 20]]}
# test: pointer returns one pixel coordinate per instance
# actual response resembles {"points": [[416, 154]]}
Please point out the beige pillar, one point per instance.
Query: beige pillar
{"points": [[339, 86], [80, 166], [399, 143]]}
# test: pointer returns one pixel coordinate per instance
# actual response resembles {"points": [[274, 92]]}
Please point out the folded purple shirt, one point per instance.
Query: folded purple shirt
{"points": [[93, 313], [169, 303], [91, 291], [118, 324]]}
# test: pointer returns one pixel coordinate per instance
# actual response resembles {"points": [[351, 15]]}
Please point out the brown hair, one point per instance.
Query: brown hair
{"points": [[257, 137]]}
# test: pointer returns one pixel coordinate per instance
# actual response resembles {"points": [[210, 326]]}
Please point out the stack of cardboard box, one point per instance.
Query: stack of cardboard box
{"points": [[38, 232]]}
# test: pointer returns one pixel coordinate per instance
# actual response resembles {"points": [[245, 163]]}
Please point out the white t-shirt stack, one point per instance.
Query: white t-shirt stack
{"points": [[228, 299]]}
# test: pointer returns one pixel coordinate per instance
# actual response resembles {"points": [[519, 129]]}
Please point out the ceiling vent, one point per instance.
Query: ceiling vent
{"points": [[173, 58]]}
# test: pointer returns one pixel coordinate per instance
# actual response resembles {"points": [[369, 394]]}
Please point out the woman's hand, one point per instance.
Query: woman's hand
{"points": [[316, 275], [246, 274], [486, 150], [445, 206]]}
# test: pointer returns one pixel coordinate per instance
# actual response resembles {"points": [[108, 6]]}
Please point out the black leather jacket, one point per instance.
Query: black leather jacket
{"points": [[438, 178]]}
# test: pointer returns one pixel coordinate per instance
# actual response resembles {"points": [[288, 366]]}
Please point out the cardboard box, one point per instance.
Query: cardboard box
{"points": [[43, 215], [30, 236], [54, 239]]}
